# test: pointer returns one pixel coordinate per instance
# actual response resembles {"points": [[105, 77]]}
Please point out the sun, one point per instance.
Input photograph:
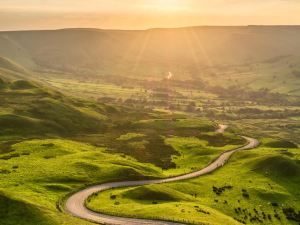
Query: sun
{"points": [[169, 5]]}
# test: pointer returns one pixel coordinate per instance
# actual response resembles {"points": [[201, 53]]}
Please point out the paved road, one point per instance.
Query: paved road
{"points": [[75, 205], [222, 128]]}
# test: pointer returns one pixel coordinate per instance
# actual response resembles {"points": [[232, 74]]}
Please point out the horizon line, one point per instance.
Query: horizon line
{"points": [[153, 28]]}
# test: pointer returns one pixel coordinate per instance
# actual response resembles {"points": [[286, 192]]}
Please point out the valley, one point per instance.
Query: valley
{"points": [[80, 108]]}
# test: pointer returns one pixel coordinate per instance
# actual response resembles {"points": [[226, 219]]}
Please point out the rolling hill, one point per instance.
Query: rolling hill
{"points": [[29, 108], [148, 52]]}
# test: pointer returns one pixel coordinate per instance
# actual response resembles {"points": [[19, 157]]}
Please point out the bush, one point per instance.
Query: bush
{"points": [[113, 197], [246, 195]]}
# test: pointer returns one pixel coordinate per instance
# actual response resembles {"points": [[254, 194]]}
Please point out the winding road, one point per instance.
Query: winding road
{"points": [[75, 205]]}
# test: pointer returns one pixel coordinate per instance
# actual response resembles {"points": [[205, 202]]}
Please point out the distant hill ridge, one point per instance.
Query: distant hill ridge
{"points": [[126, 52]]}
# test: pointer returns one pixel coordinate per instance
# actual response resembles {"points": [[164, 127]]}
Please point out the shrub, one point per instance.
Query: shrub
{"points": [[113, 197], [246, 195]]}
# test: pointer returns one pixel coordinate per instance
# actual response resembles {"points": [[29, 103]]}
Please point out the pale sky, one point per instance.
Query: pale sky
{"points": [[143, 14]]}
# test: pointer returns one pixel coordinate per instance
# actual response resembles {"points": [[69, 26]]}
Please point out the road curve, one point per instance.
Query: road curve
{"points": [[75, 205], [222, 128]]}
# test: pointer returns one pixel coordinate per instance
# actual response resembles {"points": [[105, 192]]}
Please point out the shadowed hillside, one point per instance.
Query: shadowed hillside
{"points": [[28, 108]]}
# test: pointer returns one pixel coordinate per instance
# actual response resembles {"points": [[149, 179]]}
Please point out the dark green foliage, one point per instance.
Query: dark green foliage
{"points": [[281, 144], [246, 195], [151, 149], [220, 190], [291, 214], [113, 197], [4, 171], [10, 156], [236, 92]]}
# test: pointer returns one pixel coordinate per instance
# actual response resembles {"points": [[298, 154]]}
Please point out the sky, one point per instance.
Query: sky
{"points": [[144, 14]]}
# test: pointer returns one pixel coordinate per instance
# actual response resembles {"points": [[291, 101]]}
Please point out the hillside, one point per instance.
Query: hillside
{"points": [[148, 52], [28, 108], [80, 107]]}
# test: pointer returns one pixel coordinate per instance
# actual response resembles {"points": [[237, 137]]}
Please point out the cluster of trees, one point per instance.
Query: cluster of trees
{"points": [[292, 214], [263, 95], [256, 217], [270, 114]]}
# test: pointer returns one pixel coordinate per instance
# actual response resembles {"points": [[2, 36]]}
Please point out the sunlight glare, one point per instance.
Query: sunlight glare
{"points": [[168, 5]]}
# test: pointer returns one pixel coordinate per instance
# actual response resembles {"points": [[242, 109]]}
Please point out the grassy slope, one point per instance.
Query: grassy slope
{"points": [[31, 109], [113, 52], [147, 140], [267, 175], [196, 152], [30, 169], [43, 112], [275, 75], [38, 173]]}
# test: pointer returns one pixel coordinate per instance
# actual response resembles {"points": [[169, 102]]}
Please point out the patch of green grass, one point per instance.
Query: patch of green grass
{"points": [[295, 118], [196, 153], [31, 110], [39, 181], [263, 182], [130, 136]]}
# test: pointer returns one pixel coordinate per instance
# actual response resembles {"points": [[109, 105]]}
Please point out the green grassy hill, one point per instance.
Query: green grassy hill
{"points": [[31, 109], [57, 135], [149, 52], [257, 187], [252, 56]]}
